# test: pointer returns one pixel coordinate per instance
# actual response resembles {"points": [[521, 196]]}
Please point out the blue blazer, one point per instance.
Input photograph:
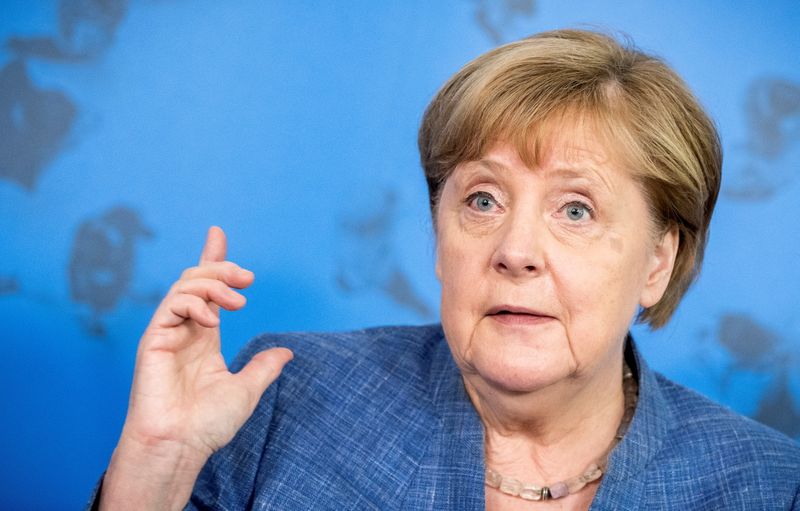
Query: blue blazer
{"points": [[379, 419]]}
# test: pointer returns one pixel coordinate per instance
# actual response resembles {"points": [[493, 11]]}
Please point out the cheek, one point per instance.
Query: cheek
{"points": [[457, 322], [599, 287], [461, 268], [455, 251], [453, 270], [616, 244]]}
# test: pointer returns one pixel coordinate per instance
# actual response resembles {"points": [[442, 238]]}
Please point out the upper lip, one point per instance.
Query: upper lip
{"points": [[514, 309]]}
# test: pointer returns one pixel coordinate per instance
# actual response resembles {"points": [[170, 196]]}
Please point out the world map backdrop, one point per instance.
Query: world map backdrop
{"points": [[128, 127]]}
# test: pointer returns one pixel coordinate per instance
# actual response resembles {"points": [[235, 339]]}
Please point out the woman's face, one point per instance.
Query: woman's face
{"points": [[542, 269]]}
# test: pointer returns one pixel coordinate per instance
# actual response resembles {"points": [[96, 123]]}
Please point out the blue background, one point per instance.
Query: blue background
{"points": [[128, 127]]}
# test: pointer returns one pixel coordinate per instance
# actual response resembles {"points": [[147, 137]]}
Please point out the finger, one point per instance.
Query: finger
{"points": [[211, 290], [216, 246], [181, 307], [262, 370], [226, 271]]}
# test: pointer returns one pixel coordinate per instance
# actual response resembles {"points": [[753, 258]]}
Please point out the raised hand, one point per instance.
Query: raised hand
{"points": [[184, 403]]}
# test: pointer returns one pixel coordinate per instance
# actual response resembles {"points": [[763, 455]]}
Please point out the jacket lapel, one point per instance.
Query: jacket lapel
{"points": [[623, 486], [452, 470]]}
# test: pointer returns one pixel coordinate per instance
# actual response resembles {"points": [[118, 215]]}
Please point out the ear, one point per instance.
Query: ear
{"points": [[662, 262]]}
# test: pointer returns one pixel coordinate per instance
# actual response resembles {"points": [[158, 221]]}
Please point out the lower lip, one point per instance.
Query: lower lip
{"points": [[520, 319]]}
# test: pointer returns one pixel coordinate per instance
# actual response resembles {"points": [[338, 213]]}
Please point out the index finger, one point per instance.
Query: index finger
{"points": [[216, 246]]}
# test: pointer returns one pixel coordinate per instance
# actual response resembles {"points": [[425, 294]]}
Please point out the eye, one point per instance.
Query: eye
{"points": [[482, 201], [577, 211]]}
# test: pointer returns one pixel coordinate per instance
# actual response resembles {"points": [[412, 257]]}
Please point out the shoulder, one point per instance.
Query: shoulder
{"points": [[711, 443], [378, 348], [352, 413], [701, 420], [373, 363], [365, 342], [349, 413]]}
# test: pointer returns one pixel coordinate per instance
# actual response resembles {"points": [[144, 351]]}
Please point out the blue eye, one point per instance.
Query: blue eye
{"points": [[577, 211], [482, 201]]}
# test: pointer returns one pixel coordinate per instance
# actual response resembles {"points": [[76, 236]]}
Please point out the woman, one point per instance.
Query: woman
{"points": [[571, 183]]}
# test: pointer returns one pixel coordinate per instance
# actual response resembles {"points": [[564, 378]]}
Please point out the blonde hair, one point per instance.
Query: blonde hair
{"points": [[643, 111]]}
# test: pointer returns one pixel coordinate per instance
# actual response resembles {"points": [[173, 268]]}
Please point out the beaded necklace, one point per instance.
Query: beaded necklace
{"points": [[593, 472]]}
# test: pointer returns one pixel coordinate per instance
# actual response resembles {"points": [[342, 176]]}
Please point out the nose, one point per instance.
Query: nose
{"points": [[519, 252]]}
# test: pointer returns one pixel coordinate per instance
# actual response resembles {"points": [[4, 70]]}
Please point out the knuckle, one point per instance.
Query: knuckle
{"points": [[184, 300], [218, 286], [173, 302], [188, 273], [233, 267], [175, 288], [211, 290], [226, 269]]}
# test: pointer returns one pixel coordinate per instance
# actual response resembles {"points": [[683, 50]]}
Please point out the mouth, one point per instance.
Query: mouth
{"points": [[512, 309], [512, 315]]}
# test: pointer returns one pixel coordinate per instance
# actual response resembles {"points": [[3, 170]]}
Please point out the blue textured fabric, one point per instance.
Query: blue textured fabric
{"points": [[379, 419]]}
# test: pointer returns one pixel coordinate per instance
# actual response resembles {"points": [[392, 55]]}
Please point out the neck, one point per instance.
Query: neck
{"points": [[552, 433]]}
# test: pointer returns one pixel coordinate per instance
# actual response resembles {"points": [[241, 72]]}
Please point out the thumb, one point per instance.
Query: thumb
{"points": [[262, 370]]}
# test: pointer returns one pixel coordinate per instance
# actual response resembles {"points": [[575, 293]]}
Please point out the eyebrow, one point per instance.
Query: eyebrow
{"points": [[569, 172], [491, 164], [476, 167], [585, 173]]}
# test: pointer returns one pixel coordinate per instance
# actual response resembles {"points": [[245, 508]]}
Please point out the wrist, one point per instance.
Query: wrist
{"points": [[154, 475]]}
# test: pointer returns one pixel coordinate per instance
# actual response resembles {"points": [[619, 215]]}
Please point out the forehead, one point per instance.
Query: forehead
{"points": [[567, 151], [567, 136]]}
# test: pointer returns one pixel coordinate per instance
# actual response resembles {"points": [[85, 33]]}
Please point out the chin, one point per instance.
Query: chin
{"points": [[521, 373]]}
